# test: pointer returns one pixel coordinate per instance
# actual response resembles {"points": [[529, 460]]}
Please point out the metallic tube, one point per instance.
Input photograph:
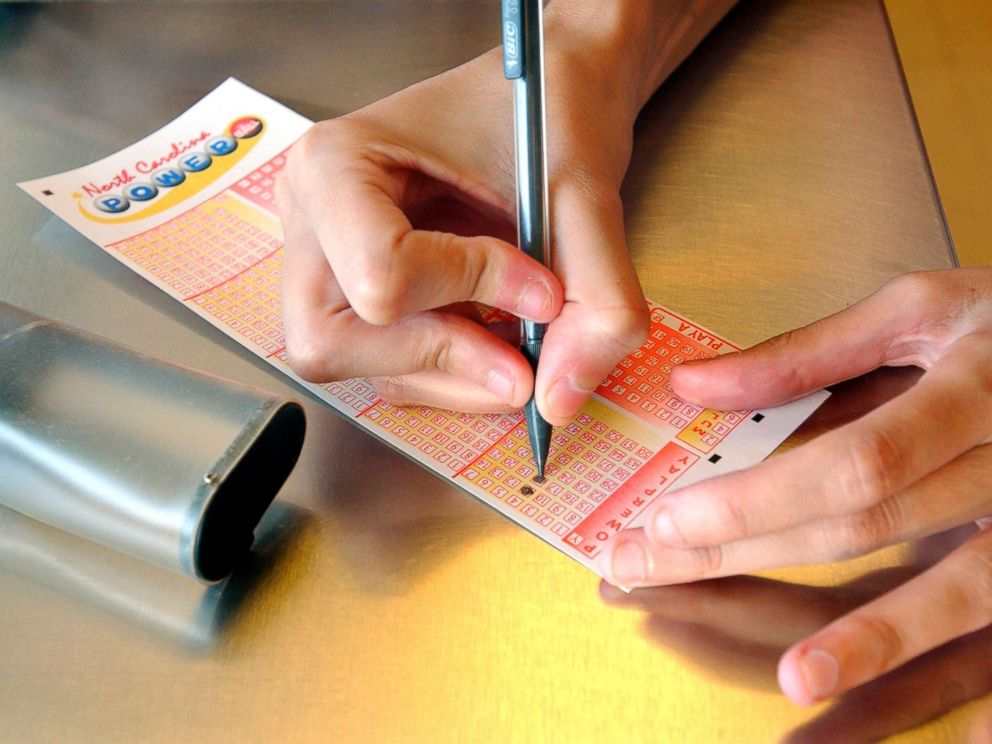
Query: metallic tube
{"points": [[157, 461]]}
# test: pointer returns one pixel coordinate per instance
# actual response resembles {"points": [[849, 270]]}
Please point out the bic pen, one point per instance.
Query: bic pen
{"points": [[523, 64]]}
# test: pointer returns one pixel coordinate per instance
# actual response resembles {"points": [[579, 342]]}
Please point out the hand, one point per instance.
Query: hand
{"points": [[399, 216], [915, 466], [701, 622]]}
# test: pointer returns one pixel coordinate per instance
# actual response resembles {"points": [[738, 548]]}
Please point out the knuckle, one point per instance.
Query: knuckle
{"points": [[977, 573], [308, 147], [870, 469], [477, 269], [735, 517], [283, 193], [881, 635], [711, 560], [436, 350], [789, 347], [916, 288], [465, 271], [309, 360], [374, 289], [333, 133], [869, 530], [625, 326], [332, 145], [394, 390]]}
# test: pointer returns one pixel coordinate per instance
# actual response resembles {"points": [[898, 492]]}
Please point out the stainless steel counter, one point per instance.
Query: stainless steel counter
{"points": [[777, 177]]}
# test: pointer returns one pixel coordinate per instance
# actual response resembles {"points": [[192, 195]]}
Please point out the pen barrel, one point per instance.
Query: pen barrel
{"points": [[531, 339], [530, 138]]}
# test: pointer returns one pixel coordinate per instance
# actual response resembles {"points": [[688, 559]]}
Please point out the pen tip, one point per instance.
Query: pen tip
{"points": [[539, 461], [539, 434]]}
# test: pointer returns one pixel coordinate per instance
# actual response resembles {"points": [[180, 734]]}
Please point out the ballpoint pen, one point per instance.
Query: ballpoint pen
{"points": [[523, 64]]}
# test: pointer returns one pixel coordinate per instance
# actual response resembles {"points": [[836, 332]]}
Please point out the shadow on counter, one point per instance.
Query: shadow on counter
{"points": [[737, 628], [170, 607]]}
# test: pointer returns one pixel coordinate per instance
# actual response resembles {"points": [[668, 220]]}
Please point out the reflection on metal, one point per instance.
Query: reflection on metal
{"points": [[183, 612], [145, 457]]}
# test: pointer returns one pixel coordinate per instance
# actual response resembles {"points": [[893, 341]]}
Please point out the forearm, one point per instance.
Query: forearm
{"points": [[641, 41]]}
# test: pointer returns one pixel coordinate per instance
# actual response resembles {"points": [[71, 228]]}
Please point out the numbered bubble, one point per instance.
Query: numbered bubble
{"points": [[168, 177], [222, 144], [140, 191], [111, 203], [194, 162]]}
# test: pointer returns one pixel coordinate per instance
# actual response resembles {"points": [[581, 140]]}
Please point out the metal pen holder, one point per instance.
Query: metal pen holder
{"points": [[155, 460]]}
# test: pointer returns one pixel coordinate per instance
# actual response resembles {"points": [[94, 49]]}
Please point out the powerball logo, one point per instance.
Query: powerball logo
{"points": [[153, 185]]}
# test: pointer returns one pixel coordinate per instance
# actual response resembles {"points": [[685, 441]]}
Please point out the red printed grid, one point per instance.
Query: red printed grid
{"points": [[588, 460], [488, 314], [640, 383], [451, 440], [356, 393], [624, 504], [710, 428], [249, 305], [200, 249], [259, 186]]}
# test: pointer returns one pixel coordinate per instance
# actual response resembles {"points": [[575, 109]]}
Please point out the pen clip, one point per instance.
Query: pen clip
{"points": [[513, 46]]}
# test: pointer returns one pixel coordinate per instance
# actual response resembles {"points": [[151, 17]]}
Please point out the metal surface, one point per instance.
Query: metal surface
{"points": [[778, 176], [149, 458]]}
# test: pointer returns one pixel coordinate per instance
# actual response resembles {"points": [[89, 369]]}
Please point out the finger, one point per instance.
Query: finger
{"points": [[949, 497], [917, 692], [389, 270], [327, 340], [844, 471], [884, 328], [439, 390], [604, 317], [947, 601]]}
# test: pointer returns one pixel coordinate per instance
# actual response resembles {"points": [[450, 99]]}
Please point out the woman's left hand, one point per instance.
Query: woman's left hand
{"points": [[917, 465]]}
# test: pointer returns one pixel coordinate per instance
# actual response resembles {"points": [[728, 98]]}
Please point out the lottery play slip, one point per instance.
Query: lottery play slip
{"points": [[191, 209]]}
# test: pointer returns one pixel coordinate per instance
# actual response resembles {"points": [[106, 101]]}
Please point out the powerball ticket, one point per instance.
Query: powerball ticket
{"points": [[191, 209]]}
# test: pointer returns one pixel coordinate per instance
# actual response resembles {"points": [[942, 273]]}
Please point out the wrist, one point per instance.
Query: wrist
{"points": [[637, 43]]}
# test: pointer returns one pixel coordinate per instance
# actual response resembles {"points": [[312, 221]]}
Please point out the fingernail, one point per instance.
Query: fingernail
{"points": [[663, 529], [821, 672], [500, 384], [565, 399], [534, 300], [629, 564]]}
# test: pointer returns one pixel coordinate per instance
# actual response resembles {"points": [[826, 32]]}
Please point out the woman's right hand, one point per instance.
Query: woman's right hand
{"points": [[400, 216]]}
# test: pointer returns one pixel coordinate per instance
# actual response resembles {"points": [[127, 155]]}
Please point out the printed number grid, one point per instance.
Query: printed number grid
{"points": [[710, 428], [356, 393], [640, 384], [588, 461], [630, 499], [205, 247], [249, 305], [450, 440], [258, 186]]}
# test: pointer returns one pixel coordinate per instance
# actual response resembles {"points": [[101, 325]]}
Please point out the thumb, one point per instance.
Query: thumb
{"points": [[604, 316]]}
